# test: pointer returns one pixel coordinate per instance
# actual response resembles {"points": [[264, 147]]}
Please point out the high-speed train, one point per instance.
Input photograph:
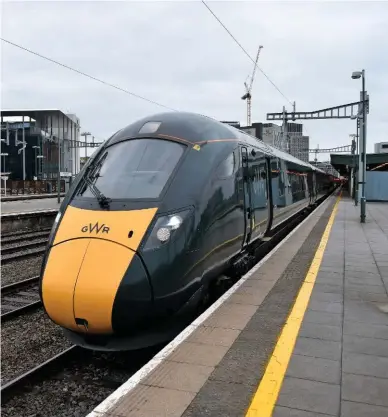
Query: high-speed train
{"points": [[159, 211]]}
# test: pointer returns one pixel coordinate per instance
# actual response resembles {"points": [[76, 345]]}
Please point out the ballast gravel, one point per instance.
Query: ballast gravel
{"points": [[27, 341], [19, 270], [79, 387]]}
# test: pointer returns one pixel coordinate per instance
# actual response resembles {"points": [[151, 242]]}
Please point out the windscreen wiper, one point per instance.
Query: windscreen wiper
{"points": [[88, 179], [102, 200]]}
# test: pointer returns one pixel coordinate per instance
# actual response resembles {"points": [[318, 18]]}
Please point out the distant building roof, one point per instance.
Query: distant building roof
{"points": [[33, 113], [341, 162]]}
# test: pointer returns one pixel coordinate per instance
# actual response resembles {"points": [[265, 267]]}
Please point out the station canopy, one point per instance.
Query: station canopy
{"points": [[374, 162]]}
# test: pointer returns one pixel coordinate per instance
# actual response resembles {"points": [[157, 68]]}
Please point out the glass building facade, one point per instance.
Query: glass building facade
{"points": [[51, 144]]}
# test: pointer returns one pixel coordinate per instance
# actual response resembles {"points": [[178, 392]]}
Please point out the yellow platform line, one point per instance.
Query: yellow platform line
{"points": [[265, 398]]}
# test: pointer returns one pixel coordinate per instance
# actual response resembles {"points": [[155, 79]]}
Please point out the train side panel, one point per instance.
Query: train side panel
{"points": [[292, 190]]}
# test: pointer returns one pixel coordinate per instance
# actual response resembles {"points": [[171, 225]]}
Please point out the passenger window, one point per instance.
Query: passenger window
{"points": [[227, 167]]}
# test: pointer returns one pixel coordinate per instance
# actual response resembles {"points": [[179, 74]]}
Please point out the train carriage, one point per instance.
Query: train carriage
{"points": [[160, 210]]}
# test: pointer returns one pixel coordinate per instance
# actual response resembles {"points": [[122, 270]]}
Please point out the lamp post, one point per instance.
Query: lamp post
{"points": [[356, 75], [40, 157], [4, 154], [354, 153], [86, 134], [35, 162], [5, 178]]}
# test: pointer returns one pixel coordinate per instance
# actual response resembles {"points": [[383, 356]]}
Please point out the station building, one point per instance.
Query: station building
{"points": [[376, 174], [381, 147], [39, 144]]}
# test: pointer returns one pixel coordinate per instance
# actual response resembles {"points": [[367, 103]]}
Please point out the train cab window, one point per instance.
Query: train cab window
{"points": [[135, 169], [227, 167]]}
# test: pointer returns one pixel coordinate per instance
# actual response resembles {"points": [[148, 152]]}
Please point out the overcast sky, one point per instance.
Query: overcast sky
{"points": [[177, 54]]}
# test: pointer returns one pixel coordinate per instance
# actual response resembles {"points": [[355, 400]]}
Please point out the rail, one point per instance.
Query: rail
{"points": [[19, 252], [16, 300], [53, 364]]}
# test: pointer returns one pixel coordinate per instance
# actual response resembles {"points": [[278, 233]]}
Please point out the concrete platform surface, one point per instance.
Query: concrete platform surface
{"points": [[334, 363], [22, 206], [339, 366], [28, 197]]}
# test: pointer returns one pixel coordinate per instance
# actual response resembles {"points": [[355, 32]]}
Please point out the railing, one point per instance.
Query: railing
{"points": [[19, 187]]}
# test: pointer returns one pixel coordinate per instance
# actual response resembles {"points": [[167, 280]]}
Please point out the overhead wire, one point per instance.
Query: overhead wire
{"points": [[137, 95], [87, 75], [245, 52]]}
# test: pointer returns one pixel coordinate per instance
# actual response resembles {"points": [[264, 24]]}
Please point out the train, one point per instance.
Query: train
{"points": [[163, 208]]}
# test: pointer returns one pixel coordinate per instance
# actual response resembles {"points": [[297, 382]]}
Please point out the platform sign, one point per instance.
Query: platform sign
{"points": [[65, 174]]}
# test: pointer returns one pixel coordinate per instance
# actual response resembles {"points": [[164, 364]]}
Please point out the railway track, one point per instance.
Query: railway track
{"points": [[19, 298], [21, 251], [17, 237], [50, 366], [75, 380]]}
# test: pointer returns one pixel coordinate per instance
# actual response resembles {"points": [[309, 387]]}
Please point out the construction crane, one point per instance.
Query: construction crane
{"points": [[248, 96]]}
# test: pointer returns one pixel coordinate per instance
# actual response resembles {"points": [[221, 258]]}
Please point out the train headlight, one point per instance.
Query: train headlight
{"points": [[163, 234], [174, 222], [165, 229]]}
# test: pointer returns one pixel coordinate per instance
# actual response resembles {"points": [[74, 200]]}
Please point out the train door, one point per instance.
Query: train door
{"points": [[288, 179], [270, 195], [247, 196], [260, 196], [310, 186]]}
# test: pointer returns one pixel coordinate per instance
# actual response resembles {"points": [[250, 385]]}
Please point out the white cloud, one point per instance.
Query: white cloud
{"points": [[176, 53]]}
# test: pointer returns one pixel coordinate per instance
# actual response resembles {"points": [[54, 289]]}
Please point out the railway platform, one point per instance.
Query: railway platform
{"points": [[22, 197], [303, 334], [29, 205]]}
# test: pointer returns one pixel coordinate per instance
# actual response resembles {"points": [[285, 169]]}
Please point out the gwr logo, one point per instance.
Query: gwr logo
{"points": [[95, 228]]}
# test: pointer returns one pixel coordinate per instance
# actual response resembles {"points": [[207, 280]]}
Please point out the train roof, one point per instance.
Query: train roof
{"points": [[195, 129]]}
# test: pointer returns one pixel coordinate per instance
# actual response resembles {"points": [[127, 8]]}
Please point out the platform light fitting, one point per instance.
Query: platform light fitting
{"points": [[356, 74]]}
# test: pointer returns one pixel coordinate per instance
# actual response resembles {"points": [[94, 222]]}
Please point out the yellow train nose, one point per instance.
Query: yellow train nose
{"points": [[59, 280], [91, 254], [81, 281]]}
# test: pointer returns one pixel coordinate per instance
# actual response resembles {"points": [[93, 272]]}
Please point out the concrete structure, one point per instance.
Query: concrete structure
{"points": [[51, 140], [303, 334], [255, 130], [296, 143], [381, 147], [299, 146], [30, 205], [272, 135], [269, 133]]}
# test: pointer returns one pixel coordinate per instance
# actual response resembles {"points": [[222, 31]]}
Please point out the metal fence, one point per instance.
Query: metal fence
{"points": [[19, 187]]}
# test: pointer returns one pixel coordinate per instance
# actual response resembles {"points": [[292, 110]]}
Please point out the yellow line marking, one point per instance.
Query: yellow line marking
{"points": [[265, 398]]}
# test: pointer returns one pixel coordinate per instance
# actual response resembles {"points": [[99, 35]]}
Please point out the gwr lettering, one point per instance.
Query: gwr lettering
{"points": [[95, 227]]}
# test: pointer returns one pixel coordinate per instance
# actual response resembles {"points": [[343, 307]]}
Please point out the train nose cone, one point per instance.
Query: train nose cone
{"points": [[81, 283], [59, 281], [92, 253], [99, 278]]}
